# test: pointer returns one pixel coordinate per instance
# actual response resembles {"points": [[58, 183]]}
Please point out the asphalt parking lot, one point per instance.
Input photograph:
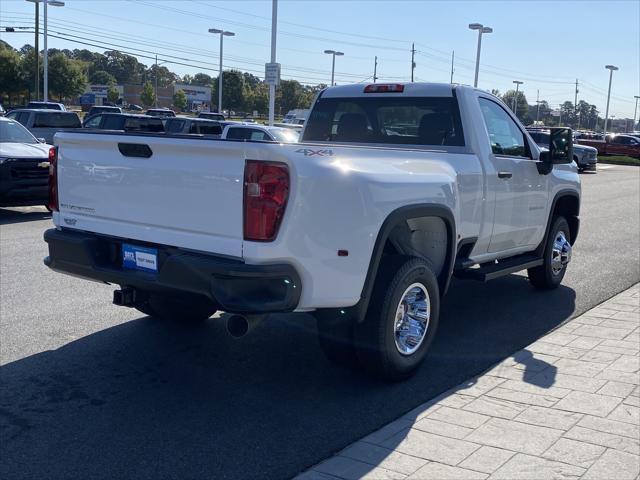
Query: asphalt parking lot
{"points": [[94, 390]]}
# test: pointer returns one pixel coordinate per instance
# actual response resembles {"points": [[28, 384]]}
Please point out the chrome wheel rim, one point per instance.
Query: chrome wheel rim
{"points": [[560, 253], [411, 320]]}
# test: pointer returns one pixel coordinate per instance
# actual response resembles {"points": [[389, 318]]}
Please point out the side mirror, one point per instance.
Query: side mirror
{"points": [[560, 146]]}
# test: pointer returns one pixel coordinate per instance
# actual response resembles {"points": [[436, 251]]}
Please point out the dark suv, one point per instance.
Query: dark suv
{"points": [[124, 121], [103, 109]]}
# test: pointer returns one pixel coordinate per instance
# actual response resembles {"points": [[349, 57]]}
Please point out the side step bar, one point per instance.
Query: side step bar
{"points": [[487, 272]]}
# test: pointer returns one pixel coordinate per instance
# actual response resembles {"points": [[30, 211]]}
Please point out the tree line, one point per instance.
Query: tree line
{"points": [[581, 116], [70, 71]]}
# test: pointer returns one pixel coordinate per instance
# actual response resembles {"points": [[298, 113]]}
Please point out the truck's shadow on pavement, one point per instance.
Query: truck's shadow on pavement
{"points": [[9, 216], [150, 399]]}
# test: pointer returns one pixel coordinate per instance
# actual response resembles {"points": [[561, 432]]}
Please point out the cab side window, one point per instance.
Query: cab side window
{"points": [[237, 133], [93, 122], [505, 136]]}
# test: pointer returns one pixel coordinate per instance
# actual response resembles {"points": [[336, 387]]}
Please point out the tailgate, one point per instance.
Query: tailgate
{"points": [[187, 193]]}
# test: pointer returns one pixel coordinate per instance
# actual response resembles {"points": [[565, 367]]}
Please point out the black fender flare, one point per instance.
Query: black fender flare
{"points": [[394, 218], [573, 222]]}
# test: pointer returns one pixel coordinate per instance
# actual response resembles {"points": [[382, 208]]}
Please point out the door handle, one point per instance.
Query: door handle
{"points": [[505, 174]]}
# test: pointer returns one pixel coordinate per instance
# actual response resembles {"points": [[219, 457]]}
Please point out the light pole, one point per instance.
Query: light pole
{"points": [[333, 63], [223, 34], [53, 3], [481, 29], [611, 68], [515, 97], [156, 79], [635, 113]]}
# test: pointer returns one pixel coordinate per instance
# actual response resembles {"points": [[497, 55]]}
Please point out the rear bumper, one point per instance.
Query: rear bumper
{"points": [[231, 284]]}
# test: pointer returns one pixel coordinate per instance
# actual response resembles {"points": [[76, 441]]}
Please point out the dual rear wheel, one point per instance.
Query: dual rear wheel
{"points": [[400, 324]]}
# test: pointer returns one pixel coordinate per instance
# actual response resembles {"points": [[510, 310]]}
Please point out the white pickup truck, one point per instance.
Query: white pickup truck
{"points": [[394, 189]]}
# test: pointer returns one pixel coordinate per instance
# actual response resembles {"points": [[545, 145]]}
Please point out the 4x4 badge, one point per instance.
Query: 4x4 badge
{"points": [[308, 152]]}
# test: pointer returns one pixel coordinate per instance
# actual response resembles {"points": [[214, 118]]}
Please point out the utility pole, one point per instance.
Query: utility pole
{"points": [[37, 45], [413, 63], [274, 37], [635, 113], [453, 54], [375, 69], [156, 79], [575, 102], [538, 105]]}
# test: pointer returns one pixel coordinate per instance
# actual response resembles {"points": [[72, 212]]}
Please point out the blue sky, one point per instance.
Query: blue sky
{"points": [[545, 44]]}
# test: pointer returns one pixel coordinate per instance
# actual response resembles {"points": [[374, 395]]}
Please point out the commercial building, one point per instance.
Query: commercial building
{"points": [[198, 97]]}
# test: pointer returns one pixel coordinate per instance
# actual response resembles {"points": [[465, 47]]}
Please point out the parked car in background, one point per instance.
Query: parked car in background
{"points": [[585, 157], [160, 112], [24, 166], [46, 106], [193, 125], [296, 116], [128, 122], [45, 123], [615, 145], [261, 133], [103, 109], [212, 116]]}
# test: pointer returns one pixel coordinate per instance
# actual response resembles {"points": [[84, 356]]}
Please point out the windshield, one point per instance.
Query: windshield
{"points": [[13, 132], [284, 135], [386, 120], [541, 138]]}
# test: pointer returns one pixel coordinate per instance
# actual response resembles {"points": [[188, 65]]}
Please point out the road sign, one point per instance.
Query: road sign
{"points": [[272, 73]]}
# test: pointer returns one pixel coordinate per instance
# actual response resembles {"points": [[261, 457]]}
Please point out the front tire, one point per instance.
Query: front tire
{"points": [[402, 318], [184, 309], [557, 255]]}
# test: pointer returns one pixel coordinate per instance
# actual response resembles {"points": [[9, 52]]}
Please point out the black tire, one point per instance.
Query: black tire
{"points": [[375, 338], [543, 277], [185, 309], [335, 335]]}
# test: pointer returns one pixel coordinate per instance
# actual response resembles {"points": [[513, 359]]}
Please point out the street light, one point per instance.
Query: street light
{"points": [[515, 97], [156, 79], [333, 63], [223, 34], [635, 113], [481, 29], [611, 68], [53, 3]]}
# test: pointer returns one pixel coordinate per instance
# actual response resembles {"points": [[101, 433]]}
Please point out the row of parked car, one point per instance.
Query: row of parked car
{"points": [[26, 138]]}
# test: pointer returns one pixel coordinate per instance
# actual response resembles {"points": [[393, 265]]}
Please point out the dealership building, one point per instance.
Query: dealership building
{"points": [[198, 97]]}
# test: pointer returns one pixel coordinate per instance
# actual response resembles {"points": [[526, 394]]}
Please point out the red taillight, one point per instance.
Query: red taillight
{"points": [[384, 88], [266, 190], [53, 179]]}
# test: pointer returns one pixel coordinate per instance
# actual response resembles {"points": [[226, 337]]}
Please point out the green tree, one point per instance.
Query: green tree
{"points": [[201, 79], [232, 90], [165, 76], [12, 80], [289, 96], [260, 99], [147, 96], [522, 110], [180, 99], [101, 77], [112, 94], [66, 78], [568, 113]]}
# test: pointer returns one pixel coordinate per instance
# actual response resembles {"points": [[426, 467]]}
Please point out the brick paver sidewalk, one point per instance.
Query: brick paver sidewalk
{"points": [[565, 407]]}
